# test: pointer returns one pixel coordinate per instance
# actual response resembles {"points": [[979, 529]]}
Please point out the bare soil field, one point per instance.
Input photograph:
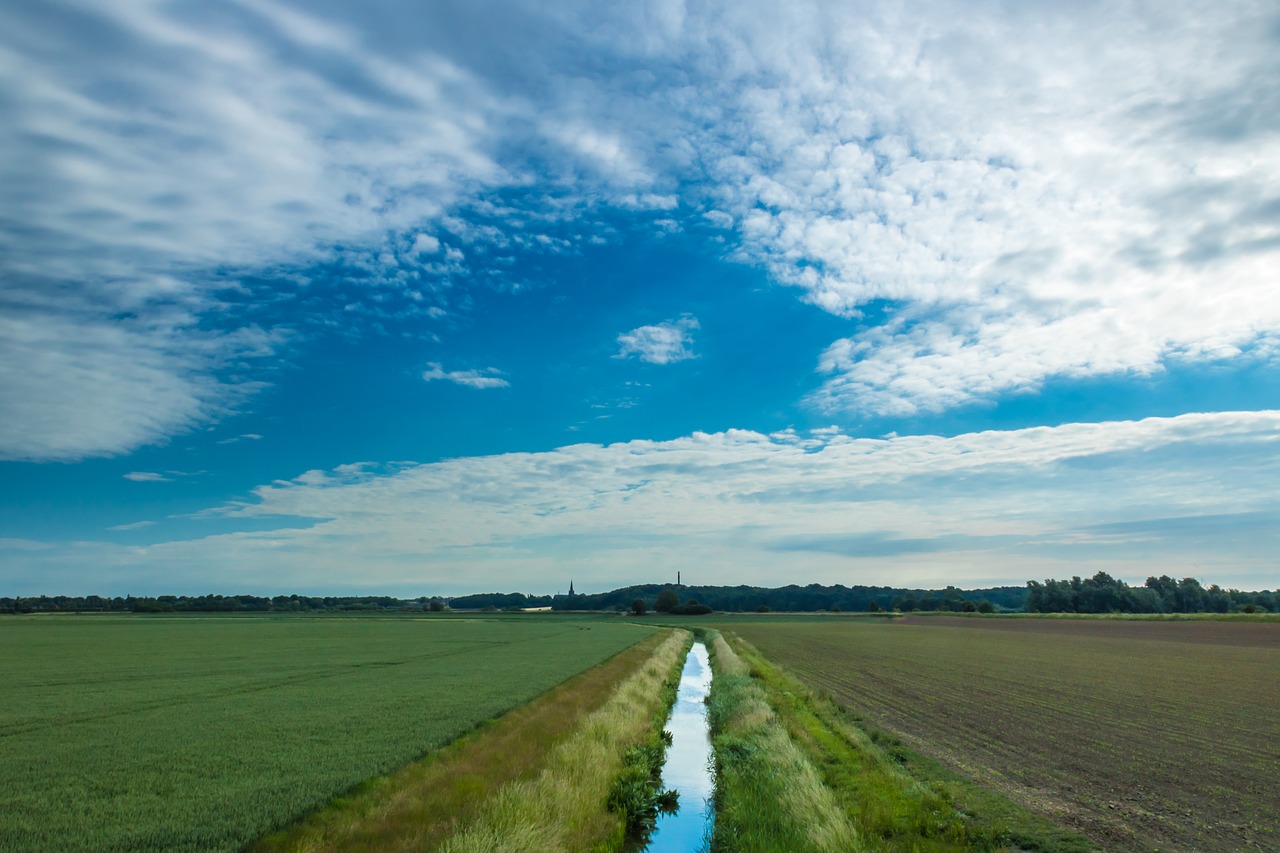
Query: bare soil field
{"points": [[1142, 735]]}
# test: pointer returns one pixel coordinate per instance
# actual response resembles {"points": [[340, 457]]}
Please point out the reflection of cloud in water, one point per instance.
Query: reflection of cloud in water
{"points": [[688, 765]]}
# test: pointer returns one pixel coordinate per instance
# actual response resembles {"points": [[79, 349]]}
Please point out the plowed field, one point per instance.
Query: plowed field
{"points": [[1140, 734]]}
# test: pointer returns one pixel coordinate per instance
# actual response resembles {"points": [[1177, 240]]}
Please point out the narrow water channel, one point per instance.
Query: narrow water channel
{"points": [[688, 766]]}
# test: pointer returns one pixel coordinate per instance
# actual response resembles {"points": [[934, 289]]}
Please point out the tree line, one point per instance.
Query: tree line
{"points": [[732, 599], [1105, 594], [1098, 594], [810, 598], [212, 604]]}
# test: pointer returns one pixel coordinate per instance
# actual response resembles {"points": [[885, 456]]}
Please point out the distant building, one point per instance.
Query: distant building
{"points": [[571, 586]]}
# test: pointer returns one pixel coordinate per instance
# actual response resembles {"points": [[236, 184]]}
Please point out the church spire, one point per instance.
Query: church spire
{"points": [[571, 586]]}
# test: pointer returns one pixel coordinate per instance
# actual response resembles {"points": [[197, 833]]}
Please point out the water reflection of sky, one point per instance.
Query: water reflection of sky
{"points": [[688, 766]]}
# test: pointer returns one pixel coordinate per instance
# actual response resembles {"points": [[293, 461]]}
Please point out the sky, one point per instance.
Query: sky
{"points": [[416, 299]]}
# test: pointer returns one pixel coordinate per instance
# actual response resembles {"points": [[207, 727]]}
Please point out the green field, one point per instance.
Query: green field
{"points": [[1142, 735], [190, 733]]}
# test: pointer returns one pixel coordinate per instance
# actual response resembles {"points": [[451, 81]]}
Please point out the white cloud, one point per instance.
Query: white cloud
{"points": [[718, 218], [147, 477], [425, 244], [137, 525], [1037, 192], [1191, 495], [24, 545], [663, 343], [1034, 191], [236, 439], [145, 145], [489, 377]]}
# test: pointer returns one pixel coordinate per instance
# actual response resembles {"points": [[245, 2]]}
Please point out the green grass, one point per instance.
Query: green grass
{"points": [[769, 797], [418, 806], [189, 733], [568, 807]]}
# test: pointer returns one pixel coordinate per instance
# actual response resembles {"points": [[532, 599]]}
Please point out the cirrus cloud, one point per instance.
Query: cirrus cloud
{"points": [[489, 377]]}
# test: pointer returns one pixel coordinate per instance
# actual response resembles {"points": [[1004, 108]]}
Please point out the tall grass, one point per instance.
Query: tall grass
{"points": [[769, 797], [566, 806]]}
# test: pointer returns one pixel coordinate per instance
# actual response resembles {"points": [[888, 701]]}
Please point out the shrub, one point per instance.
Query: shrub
{"points": [[691, 608]]}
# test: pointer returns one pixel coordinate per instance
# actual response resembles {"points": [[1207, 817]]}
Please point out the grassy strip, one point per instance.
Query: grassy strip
{"points": [[769, 797], [566, 806], [897, 799], [417, 807]]}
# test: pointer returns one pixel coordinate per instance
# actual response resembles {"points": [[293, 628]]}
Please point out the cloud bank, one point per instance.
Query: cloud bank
{"points": [[1191, 495]]}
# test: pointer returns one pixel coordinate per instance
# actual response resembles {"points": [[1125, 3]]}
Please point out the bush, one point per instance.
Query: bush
{"points": [[638, 607], [637, 794], [691, 608]]}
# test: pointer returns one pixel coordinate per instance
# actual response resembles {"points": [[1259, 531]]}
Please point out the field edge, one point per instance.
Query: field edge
{"points": [[420, 804]]}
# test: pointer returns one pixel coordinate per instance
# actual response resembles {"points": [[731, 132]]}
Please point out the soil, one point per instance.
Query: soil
{"points": [[1142, 735]]}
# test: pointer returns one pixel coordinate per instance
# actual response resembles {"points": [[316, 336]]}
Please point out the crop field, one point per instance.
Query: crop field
{"points": [[192, 733], [1140, 734]]}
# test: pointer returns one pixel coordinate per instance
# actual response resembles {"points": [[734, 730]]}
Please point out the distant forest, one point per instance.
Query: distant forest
{"points": [[740, 599], [813, 597], [1098, 594]]}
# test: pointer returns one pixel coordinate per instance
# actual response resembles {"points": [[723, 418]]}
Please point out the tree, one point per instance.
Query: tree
{"points": [[667, 599], [638, 607], [1190, 596], [435, 605]]}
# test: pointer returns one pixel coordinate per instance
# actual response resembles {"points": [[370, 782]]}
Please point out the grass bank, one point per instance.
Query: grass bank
{"points": [[769, 796], [566, 806], [420, 805]]}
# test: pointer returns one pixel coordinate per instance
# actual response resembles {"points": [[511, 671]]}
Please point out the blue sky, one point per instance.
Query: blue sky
{"points": [[416, 300]]}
